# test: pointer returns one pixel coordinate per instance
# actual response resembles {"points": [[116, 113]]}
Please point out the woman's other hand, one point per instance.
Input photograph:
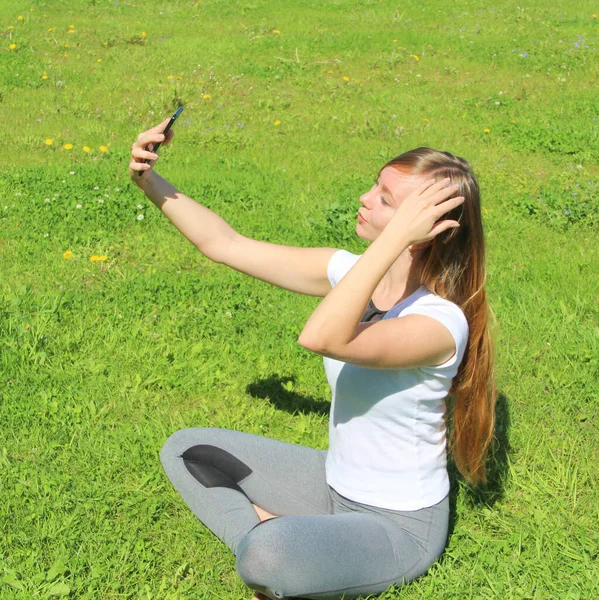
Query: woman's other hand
{"points": [[417, 217]]}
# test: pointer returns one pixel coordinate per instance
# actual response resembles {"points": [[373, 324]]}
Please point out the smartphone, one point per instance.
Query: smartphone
{"points": [[166, 130]]}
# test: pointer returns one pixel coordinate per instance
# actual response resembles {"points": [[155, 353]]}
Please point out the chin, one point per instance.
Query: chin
{"points": [[360, 233]]}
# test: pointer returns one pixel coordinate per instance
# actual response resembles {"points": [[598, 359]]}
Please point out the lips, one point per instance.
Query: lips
{"points": [[361, 218]]}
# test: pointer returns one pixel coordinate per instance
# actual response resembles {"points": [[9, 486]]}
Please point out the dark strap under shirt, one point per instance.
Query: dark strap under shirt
{"points": [[372, 313]]}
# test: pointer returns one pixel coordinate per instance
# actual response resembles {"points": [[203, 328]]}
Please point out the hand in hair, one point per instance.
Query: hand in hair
{"points": [[417, 217]]}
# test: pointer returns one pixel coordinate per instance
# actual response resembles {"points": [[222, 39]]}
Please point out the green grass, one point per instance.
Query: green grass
{"points": [[101, 361]]}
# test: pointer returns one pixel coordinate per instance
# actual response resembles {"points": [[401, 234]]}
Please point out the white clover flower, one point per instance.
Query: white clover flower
{"points": [[140, 217], [78, 206], [18, 194], [72, 173], [96, 188], [46, 199], [117, 189], [140, 206], [46, 235], [100, 200]]}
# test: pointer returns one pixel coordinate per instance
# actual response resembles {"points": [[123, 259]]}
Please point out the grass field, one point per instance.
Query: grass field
{"points": [[115, 331]]}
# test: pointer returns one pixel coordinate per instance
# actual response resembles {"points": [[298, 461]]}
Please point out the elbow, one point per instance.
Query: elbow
{"points": [[316, 344], [309, 343]]}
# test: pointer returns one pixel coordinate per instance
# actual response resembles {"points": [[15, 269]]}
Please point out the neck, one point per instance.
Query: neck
{"points": [[400, 281]]}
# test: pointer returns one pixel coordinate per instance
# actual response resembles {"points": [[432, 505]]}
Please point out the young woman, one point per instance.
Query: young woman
{"points": [[400, 327]]}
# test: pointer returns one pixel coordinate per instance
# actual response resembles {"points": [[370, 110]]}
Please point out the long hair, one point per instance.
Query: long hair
{"points": [[453, 267]]}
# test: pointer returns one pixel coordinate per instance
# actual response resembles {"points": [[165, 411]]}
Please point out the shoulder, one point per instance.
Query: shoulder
{"points": [[449, 314], [339, 265]]}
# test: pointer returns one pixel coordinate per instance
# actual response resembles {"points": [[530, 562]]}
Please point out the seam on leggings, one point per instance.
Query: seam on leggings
{"points": [[421, 550]]}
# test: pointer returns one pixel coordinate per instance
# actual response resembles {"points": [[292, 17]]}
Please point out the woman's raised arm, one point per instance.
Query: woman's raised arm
{"points": [[302, 270]]}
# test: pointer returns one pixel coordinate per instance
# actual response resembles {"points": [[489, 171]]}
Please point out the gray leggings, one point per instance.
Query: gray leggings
{"points": [[324, 546]]}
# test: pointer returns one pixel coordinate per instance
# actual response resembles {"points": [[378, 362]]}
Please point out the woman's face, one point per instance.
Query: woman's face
{"points": [[382, 200]]}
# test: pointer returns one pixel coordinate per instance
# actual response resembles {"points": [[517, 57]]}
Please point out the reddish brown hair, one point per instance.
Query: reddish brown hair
{"points": [[453, 267]]}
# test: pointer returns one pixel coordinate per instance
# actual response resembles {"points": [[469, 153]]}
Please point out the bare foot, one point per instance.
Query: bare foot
{"points": [[263, 515]]}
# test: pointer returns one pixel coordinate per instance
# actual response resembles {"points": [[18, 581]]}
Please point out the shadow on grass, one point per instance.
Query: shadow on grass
{"points": [[279, 392], [497, 468]]}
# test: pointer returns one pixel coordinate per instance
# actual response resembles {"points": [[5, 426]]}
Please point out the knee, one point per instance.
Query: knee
{"points": [[260, 561], [178, 442]]}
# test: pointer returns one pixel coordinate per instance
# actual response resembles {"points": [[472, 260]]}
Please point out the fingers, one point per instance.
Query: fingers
{"points": [[448, 206], [160, 127], [169, 137], [143, 139], [142, 154], [443, 226], [139, 166]]}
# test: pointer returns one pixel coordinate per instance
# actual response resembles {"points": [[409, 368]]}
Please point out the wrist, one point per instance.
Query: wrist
{"points": [[394, 238], [146, 181]]}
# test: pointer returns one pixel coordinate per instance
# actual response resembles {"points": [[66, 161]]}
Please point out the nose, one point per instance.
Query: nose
{"points": [[365, 199]]}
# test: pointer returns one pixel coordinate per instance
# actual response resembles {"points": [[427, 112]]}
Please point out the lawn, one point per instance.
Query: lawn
{"points": [[115, 331]]}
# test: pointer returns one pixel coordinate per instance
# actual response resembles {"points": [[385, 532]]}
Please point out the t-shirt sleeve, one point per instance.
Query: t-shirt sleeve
{"points": [[451, 316], [339, 264]]}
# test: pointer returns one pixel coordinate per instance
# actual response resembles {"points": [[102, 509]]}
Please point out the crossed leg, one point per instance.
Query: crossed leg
{"points": [[235, 483]]}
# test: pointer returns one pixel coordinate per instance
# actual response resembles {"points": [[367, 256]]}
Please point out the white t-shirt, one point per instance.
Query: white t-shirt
{"points": [[387, 443]]}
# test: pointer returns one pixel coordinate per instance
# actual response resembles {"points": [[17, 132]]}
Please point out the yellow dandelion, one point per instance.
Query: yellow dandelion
{"points": [[206, 96], [20, 18], [67, 255], [13, 46], [329, 71], [27, 326], [99, 60], [68, 146], [593, 16], [44, 77], [97, 258], [144, 34], [415, 57], [426, 120], [514, 122], [485, 211], [277, 123], [10, 27], [71, 26], [71, 31], [345, 78], [51, 30], [48, 142], [395, 41], [66, 46], [103, 149], [487, 130], [179, 77], [170, 77], [86, 149], [276, 31]]}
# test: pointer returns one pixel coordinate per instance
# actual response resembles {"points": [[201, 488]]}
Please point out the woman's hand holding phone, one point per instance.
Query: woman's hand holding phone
{"points": [[143, 155]]}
